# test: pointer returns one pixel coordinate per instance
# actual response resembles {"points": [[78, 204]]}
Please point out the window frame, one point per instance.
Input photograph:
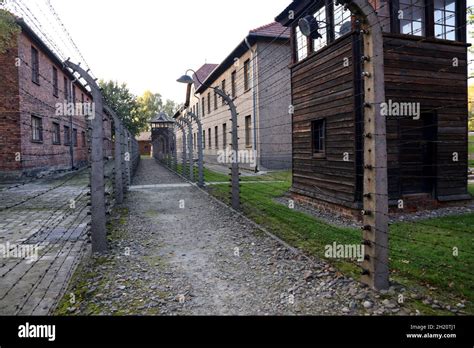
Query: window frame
{"points": [[209, 136], [35, 66], [56, 132], [247, 75], [248, 131], [36, 129], [209, 110], [329, 31], [74, 138], [67, 135], [233, 78], [66, 89], [55, 82], [223, 90], [321, 123], [224, 136], [429, 24], [216, 101]]}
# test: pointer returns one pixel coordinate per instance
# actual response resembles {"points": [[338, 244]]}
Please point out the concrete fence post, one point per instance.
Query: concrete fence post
{"points": [[375, 214], [118, 162], [97, 181], [235, 171], [184, 155], [200, 149], [190, 147]]}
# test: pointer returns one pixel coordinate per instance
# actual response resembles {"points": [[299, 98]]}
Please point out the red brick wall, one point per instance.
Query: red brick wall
{"points": [[39, 100], [9, 115]]}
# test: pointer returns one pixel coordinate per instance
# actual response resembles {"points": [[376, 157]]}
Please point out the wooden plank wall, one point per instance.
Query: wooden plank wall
{"points": [[324, 88], [422, 71]]}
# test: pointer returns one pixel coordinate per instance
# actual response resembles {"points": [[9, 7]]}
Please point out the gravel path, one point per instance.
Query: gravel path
{"points": [[176, 251]]}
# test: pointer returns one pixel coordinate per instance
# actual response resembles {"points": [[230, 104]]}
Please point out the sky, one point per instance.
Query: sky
{"points": [[150, 43]]}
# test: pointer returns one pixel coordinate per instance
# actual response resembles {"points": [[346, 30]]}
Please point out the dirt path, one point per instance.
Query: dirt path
{"points": [[176, 251]]}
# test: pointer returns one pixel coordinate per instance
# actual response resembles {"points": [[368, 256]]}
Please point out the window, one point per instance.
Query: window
{"points": [[445, 19], [224, 136], [342, 21], [203, 103], [66, 89], [67, 136], [215, 101], [195, 141], [412, 17], [34, 65], [318, 134], [74, 94], [55, 82], [210, 138], [216, 137], [320, 16], [56, 134], [247, 76], [301, 45], [209, 102], [83, 139], [223, 90], [232, 81], [203, 139], [36, 129], [82, 104], [74, 137], [248, 131]]}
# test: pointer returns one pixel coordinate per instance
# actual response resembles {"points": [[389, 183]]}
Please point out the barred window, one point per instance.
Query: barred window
{"points": [[320, 16], [301, 45], [35, 65], [36, 129], [445, 19], [412, 17], [56, 134], [342, 21], [318, 130], [67, 136]]}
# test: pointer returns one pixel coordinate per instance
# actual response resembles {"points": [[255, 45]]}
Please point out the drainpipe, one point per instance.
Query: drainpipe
{"points": [[254, 91]]}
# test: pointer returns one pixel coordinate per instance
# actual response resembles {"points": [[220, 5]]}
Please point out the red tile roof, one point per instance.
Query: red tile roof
{"points": [[271, 30], [203, 73]]}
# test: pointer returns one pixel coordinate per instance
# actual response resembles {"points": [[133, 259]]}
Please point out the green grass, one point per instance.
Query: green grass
{"points": [[421, 253], [471, 189]]}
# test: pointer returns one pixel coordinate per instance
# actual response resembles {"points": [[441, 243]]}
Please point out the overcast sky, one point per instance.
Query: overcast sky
{"points": [[149, 43]]}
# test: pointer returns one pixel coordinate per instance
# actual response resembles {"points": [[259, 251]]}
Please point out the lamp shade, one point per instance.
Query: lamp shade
{"points": [[186, 79]]}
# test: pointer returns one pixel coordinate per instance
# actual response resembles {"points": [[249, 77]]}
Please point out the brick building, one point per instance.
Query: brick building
{"points": [[37, 133], [256, 75]]}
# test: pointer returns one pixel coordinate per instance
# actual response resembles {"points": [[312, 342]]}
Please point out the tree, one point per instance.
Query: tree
{"points": [[125, 104], [151, 104], [8, 31]]}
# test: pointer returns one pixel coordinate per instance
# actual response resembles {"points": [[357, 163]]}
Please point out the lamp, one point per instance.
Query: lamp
{"points": [[309, 26]]}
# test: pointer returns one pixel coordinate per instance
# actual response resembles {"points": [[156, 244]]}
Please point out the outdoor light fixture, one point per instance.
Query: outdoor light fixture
{"points": [[309, 26], [186, 79]]}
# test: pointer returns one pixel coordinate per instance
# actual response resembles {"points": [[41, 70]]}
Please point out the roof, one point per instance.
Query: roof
{"points": [[162, 117], [270, 32], [297, 6], [144, 136], [203, 73]]}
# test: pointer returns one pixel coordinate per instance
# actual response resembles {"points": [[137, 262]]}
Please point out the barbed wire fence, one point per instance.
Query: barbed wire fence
{"points": [[56, 217], [429, 251]]}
